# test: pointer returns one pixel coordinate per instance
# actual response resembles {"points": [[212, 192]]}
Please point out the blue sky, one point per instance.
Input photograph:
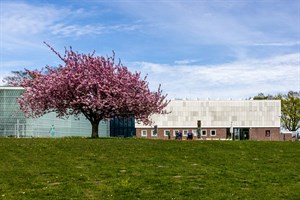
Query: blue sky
{"points": [[195, 49]]}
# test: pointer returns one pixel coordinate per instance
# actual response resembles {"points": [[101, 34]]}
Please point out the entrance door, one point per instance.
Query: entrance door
{"points": [[236, 134], [245, 134], [241, 133]]}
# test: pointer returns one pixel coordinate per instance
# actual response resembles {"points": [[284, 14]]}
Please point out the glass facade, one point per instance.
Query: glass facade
{"points": [[238, 134], [122, 127], [13, 122], [12, 119]]}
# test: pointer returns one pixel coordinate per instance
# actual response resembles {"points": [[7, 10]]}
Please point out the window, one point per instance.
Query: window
{"points": [[153, 133], [185, 132], [194, 132], [122, 126], [175, 131], [144, 133], [167, 133], [213, 132], [203, 133], [268, 133]]}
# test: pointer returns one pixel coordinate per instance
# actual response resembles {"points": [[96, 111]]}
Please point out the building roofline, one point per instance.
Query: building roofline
{"points": [[203, 127], [212, 100], [11, 88]]}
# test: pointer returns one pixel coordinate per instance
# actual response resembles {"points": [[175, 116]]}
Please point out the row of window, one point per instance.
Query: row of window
{"points": [[144, 133]]}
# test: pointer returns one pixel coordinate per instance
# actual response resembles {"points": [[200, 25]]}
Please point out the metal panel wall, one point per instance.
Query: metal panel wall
{"points": [[246, 113]]}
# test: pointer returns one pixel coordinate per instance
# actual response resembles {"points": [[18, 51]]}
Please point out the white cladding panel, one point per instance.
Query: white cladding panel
{"points": [[248, 113]]}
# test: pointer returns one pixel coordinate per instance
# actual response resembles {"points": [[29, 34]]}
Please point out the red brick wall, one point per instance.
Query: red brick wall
{"points": [[220, 133], [254, 133], [260, 134]]}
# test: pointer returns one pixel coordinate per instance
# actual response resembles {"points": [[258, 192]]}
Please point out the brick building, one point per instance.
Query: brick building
{"points": [[219, 120]]}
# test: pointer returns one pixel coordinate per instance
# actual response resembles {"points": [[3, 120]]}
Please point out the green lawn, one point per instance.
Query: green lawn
{"points": [[79, 168]]}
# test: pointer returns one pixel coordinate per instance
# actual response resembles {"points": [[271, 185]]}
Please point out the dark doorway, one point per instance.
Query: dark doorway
{"points": [[244, 134], [122, 127]]}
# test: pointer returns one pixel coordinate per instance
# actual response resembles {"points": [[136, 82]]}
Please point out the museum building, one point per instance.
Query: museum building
{"points": [[216, 120], [206, 120], [13, 122]]}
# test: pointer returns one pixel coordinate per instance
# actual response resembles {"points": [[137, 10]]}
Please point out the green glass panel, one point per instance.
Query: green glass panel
{"points": [[13, 122]]}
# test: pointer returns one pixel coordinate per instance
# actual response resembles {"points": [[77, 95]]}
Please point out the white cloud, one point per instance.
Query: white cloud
{"points": [[14, 64], [185, 62], [238, 29], [4, 74], [27, 25], [22, 18], [154, 68], [278, 44], [75, 30], [232, 80], [64, 30], [217, 22]]}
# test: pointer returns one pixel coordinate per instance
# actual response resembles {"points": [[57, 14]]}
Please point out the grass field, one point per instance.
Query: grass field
{"points": [[79, 168]]}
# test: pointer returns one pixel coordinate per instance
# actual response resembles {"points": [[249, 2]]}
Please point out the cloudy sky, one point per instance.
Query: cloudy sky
{"points": [[195, 49]]}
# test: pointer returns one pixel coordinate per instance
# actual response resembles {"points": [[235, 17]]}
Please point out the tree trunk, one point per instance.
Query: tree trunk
{"points": [[95, 128]]}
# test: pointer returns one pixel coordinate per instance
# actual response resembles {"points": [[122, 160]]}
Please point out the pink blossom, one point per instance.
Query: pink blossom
{"points": [[92, 85]]}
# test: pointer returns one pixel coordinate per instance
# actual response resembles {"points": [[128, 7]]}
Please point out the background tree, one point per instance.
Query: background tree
{"points": [[92, 85], [261, 96], [290, 108], [16, 78]]}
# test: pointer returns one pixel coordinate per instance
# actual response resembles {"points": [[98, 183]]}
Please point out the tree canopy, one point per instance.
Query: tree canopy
{"points": [[95, 86], [261, 96], [290, 108]]}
